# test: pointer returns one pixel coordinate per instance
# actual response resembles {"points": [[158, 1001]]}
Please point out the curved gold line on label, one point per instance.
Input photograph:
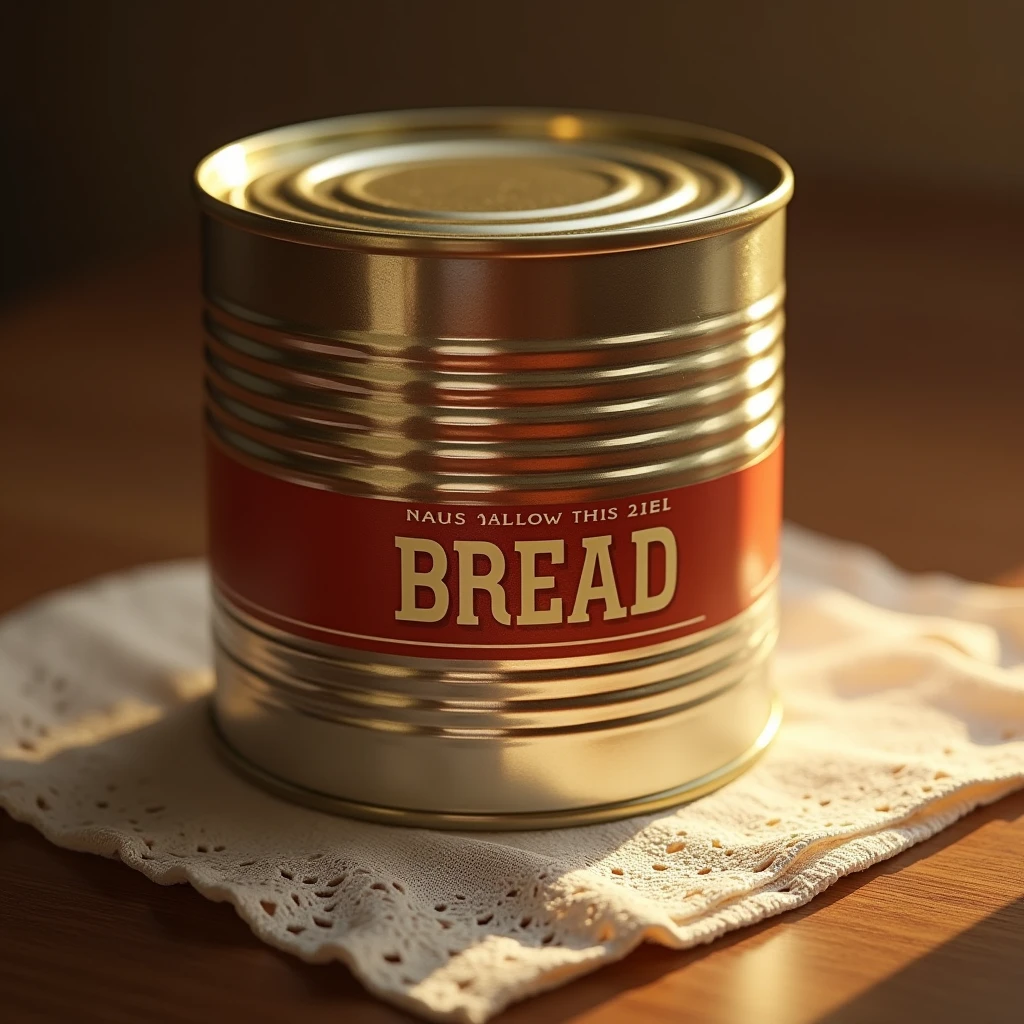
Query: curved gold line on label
{"points": [[245, 602], [766, 581]]}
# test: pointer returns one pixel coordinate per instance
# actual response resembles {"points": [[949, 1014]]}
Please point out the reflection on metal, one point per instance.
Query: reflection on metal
{"points": [[502, 308]]}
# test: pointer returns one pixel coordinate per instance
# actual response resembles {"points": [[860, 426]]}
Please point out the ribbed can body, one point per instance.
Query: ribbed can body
{"points": [[494, 410]]}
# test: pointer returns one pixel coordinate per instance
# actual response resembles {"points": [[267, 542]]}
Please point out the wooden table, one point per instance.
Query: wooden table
{"points": [[906, 432]]}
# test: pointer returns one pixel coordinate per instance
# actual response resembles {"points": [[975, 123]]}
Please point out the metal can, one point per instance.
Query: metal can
{"points": [[494, 419]]}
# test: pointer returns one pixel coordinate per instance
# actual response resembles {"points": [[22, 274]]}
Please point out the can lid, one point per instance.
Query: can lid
{"points": [[492, 180]]}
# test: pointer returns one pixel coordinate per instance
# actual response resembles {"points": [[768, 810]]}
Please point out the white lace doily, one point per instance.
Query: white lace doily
{"points": [[904, 710]]}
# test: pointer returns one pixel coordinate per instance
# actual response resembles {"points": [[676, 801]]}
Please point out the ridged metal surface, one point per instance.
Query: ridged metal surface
{"points": [[452, 422], [462, 178], [574, 734], [504, 308]]}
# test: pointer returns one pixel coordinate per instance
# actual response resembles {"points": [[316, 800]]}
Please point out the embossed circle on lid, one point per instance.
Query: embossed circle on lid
{"points": [[492, 179]]}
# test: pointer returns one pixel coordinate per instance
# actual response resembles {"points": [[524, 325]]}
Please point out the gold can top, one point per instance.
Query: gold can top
{"points": [[492, 181]]}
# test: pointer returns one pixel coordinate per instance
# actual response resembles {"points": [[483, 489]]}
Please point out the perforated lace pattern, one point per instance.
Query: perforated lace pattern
{"points": [[904, 710]]}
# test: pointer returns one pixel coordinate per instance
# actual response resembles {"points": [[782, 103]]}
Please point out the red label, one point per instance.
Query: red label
{"points": [[493, 581]]}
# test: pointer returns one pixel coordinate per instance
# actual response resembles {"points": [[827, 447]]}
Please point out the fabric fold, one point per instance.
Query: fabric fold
{"points": [[904, 703]]}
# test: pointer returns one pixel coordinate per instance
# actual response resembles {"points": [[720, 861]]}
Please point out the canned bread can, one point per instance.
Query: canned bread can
{"points": [[494, 409]]}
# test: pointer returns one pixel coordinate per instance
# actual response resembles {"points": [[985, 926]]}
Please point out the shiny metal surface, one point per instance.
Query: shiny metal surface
{"points": [[591, 420], [473, 307], [496, 745], [690, 790], [499, 180]]}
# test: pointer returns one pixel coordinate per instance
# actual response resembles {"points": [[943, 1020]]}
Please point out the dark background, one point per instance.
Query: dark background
{"points": [[108, 106], [905, 405], [903, 119]]}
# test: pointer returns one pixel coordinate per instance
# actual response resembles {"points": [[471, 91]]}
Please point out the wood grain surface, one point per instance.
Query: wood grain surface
{"points": [[905, 432]]}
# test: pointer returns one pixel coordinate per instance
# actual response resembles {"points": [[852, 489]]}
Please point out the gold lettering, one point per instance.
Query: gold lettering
{"points": [[530, 582], [643, 539], [433, 579], [469, 582], [598, 556]]}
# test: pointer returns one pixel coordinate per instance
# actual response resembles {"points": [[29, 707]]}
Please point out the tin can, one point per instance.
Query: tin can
{"points": [[494, 418]]}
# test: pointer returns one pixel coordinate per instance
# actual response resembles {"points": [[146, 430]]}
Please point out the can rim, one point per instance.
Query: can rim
{"points": [[734, 150], [518, 821]]}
